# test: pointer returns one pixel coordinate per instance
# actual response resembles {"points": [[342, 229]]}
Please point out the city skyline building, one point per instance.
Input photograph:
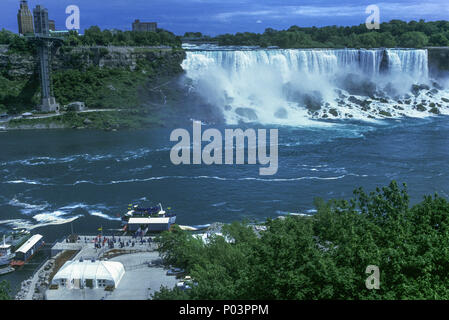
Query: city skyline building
{"points": [[144, 26], [41, 25], [51, 25], [25, 18]]}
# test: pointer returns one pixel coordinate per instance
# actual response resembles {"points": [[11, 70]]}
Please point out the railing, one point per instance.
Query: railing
{"points": [[137, 266], [57, 241]]}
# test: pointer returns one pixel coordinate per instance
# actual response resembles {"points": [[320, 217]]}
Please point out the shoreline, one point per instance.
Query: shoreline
{"points": [[31, 288], [134, 256], [107, 120]]}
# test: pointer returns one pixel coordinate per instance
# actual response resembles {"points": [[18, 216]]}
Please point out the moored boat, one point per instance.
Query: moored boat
{"points": [[27, 250], [6, 254], [142, 220], [6, 270], [17, 238]]}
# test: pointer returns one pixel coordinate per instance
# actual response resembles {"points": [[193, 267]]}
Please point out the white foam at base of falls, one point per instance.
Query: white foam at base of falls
{"points": [[274, 86]]}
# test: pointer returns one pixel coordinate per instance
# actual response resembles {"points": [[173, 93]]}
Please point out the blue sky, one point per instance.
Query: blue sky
{"points": [[227, 16]]}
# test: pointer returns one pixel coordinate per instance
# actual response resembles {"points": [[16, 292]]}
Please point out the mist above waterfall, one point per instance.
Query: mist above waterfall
{"points": [[301, 86]]}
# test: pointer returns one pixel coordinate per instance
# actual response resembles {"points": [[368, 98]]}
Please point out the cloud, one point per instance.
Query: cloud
{"points": [[390, 9], [226, 16], [218, 16], [335, 11]]}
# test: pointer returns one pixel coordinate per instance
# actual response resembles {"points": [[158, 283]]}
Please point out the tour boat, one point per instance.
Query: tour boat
{"points": [[6, 254], [143, 220]]}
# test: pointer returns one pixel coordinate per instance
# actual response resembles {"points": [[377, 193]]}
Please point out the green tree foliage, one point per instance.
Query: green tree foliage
{"points": [[94, 36], [414, 34], [18, 95], [4, 291], [440, 39], [193, 35], [99, 87], [17, 44], [72, 39], [391, 34], [413, 39], [324, 256]]}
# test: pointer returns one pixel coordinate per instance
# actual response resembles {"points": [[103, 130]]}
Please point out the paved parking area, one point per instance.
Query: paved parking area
{"points": [[138, 283]]}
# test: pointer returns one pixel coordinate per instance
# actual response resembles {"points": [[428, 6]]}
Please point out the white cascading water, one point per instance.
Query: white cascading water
{"points": [[250, 85], [410, 62]]}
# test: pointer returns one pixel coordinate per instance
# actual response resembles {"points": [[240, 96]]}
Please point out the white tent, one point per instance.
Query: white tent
{"points": [[78, 274]]}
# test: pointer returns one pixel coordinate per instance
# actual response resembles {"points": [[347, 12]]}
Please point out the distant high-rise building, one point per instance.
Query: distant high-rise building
{"points": [[144, 26], [25, 19], [51, 25], [40, 20]]}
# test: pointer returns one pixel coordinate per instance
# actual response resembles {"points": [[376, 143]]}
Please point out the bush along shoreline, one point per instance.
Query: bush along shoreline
{"points": [[324, 256]]}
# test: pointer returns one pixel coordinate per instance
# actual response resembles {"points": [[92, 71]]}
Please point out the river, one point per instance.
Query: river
{"points": [[54, 180]]}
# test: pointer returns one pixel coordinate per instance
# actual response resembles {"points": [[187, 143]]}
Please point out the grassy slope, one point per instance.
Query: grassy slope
{"points": [[18, 95], [99, 88]]}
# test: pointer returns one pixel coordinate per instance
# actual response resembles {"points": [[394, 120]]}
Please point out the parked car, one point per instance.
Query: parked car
{"points": [[187, 283], [175, 271]]}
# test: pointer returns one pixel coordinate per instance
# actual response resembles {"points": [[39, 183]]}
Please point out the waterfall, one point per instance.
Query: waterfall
{"points": [[411, 62], [309, 61], [288, 86]]}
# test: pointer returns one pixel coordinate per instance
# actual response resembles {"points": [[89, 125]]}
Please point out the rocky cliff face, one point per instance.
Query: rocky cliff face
{"points": [[169, 60], [439, 61], [23, 65], [16, 65]]}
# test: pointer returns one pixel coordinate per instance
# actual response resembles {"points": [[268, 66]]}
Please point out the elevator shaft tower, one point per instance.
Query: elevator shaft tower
{"points": [[44, 42]]}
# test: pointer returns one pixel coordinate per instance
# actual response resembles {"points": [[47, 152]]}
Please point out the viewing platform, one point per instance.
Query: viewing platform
{"points": [[88, 247]]}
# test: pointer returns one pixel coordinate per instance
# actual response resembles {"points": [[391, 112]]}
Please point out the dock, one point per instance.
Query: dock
{"points": [[144, 272], [6, 270], [86, 245]]}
